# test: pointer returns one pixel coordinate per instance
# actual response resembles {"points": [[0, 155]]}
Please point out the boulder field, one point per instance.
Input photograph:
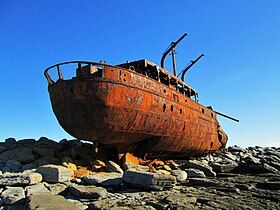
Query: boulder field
{"points": [[71, 174]]}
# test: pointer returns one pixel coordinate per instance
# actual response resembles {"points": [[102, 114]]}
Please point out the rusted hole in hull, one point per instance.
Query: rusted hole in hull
{"points": [[164, 107]]}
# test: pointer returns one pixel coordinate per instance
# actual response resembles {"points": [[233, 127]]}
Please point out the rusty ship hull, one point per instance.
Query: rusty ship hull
{"points": [[135, 107]]}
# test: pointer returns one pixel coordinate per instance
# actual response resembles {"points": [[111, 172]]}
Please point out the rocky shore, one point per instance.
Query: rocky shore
{"points": [[70, 174]]}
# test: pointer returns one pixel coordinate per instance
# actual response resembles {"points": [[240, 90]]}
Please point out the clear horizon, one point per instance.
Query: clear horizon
{"points": [[239, 75]]}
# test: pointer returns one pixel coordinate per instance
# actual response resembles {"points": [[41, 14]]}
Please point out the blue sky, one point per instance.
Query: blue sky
{"points": [[238, 76]]}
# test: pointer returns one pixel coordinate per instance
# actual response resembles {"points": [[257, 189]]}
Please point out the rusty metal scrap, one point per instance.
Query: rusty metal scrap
{"points": [[137, 107]]}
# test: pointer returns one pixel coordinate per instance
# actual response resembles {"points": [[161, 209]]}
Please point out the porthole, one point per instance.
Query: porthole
{"points": [[202, 110], [171, 108], [164, 90], [212, 115], [186, 100], [181, 111]]}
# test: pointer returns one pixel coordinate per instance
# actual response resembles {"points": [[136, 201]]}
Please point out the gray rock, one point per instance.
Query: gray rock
{"points": [[21, 154], [26, 142], [48, 142], [113, 167], [136, 167], [55, 173], [180, 175], [10, 143], [268, 168], [230, 156], [180, 201], [244, 186], [224, 167], [104, 179], [87, 192], [208, 171], [2, 149], [236, 149], [13, 195], [36, 189], [149, 180], [249, 159], [275, 164], [79, 204], [80, 152], [47, 160], [18, 179], [57, 188], [63, 141], [202, 182], [29, 166], [13, 165], [43, 150], [50, 201], [195, 173]]}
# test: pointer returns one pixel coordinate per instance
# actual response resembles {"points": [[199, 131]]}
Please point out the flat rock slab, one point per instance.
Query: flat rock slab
{"points": [[149, 180], [195, 173], [104, 179], [87, 192], [224, 167], [57, 188], [208, 171], [36, 189], [50, 201], [18, 179], [12, 195], [55, 173]]}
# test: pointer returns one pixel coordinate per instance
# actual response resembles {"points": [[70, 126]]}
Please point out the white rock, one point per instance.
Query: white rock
{"points": [[180, 175]]}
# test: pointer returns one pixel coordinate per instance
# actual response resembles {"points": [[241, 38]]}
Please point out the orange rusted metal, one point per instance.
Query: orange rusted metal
{"points": [[137, 107]]}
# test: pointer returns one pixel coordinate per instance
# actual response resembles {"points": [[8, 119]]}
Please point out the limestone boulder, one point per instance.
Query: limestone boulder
{"points": [[12, 196], [55, 173], [149, 180], [20, 179], [50, 201], [87, 192], [104, 179]]}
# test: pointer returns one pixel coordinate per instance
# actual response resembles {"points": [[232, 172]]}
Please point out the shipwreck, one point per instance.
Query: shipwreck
{"points": [[137, 107]]}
